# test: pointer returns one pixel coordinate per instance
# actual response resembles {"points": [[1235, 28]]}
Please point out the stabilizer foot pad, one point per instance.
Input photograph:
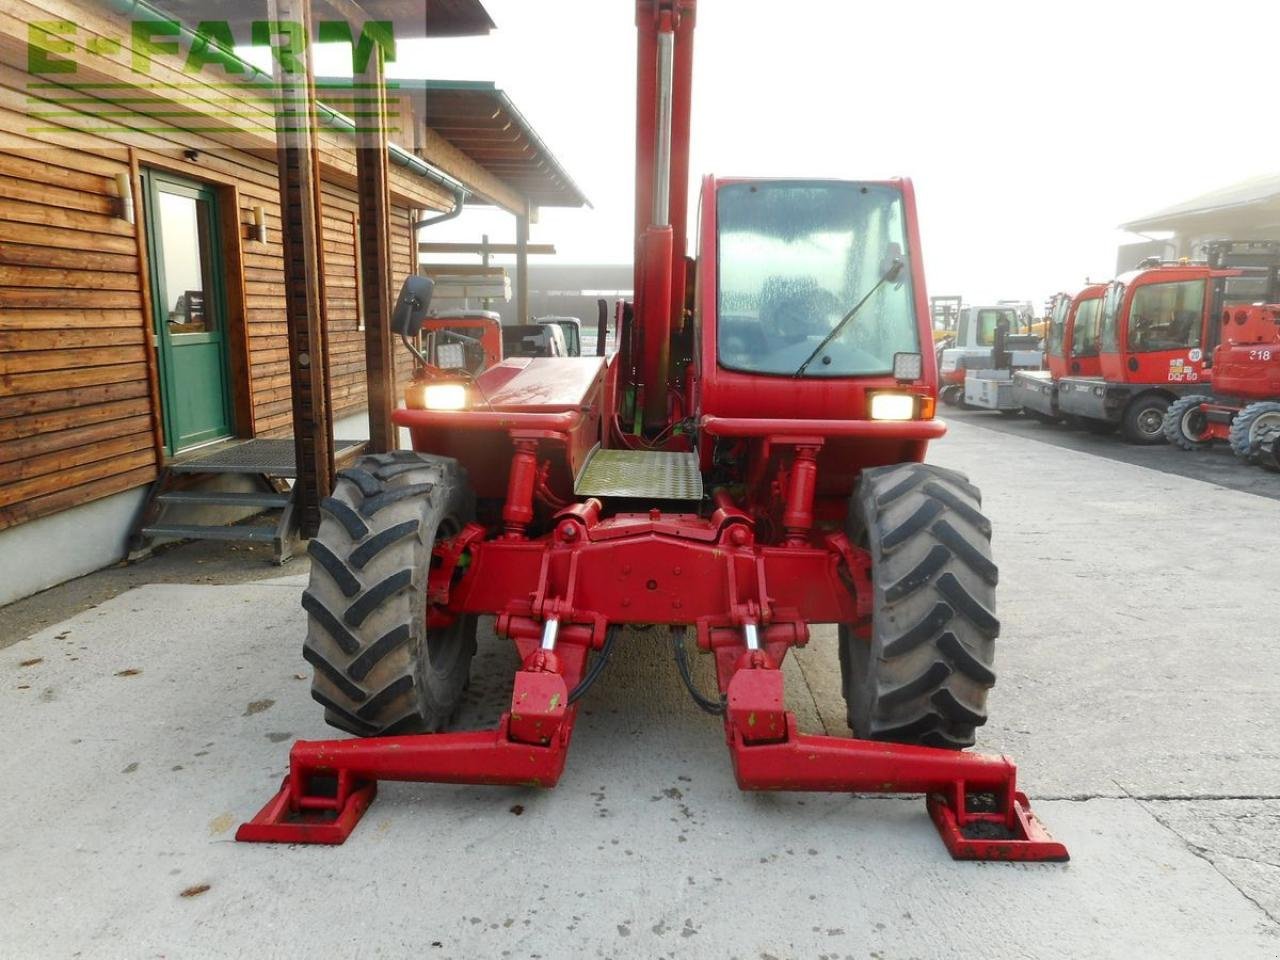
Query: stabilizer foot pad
{"points": [[277, 823], [987, 836]]}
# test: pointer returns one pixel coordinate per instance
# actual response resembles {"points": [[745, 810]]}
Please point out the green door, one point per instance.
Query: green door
{"points": [[187, 287]]}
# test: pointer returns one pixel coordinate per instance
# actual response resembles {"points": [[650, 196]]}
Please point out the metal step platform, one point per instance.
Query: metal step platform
{"points": [[640, 475], [270, 462]]}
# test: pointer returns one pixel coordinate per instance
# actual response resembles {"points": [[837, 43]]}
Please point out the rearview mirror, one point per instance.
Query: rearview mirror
{"points": [[412, 306], [893, 262]]}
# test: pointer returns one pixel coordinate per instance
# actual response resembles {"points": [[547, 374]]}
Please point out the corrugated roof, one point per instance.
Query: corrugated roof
{"points": [[1226, 203], [412, 18], [482, 122]]}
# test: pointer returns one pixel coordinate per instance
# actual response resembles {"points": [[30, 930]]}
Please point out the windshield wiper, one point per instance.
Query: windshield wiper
{"points": [[890, 274]]}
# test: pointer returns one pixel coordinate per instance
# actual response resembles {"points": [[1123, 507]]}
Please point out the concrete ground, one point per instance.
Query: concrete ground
{"points": [[1138, 688]]}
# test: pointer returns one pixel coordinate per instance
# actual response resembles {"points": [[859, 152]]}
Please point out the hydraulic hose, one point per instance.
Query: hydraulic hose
{"points": [[714, 707], [597, 666]]}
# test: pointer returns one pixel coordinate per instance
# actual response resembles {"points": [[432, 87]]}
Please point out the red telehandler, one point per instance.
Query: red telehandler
{"points": [[1071, 349], [1244, 406], [748, 463]]}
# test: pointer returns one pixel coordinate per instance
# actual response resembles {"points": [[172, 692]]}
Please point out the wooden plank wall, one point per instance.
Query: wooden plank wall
{"points": [[76, 407], [79, 402], [77, 410]]}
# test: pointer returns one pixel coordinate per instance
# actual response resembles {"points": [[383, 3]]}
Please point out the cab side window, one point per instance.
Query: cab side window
{"points": [[1166, 316], [1084, 339]]}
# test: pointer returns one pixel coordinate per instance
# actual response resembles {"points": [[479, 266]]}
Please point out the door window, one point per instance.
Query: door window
{"points": [[1084, 335], [1108, 339], [183, 224], [1057, 324], [1166, 316]]}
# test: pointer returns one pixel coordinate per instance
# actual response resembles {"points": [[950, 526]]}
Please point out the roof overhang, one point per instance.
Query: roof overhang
{"points": [[411, 19], [1250, 205], [481, 121]]}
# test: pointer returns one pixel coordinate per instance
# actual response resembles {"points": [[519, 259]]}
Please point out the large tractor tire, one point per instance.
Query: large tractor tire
{"points": [[1185, 424], [1143, 419], [921, 673], [378, 670], [1249, 426]]}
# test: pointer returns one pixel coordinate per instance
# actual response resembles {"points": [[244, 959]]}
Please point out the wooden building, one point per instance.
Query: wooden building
{"points": [[142, 274]]}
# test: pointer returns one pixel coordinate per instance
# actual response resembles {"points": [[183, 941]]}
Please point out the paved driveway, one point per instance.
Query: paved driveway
{"points": [[1138, 690]]}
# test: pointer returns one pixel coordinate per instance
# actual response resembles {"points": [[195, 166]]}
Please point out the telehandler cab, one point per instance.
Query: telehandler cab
{"points": [[748, 464]]}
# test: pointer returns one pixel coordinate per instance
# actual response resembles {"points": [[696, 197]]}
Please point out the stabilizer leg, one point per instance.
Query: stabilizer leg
{"points": [[972, 798], [332, 782]]}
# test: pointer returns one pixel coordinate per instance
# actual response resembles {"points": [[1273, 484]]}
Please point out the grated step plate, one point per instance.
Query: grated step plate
{"points": [[276, 501], [183, 531], [641, 475]]}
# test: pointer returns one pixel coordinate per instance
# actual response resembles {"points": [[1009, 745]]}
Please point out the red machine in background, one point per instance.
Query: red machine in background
{"points": [[1159, 326], [748, 464], [1244, 406], [1071, 349]]}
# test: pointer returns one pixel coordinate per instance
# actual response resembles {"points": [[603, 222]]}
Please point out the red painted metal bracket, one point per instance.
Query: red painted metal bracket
{"points": [[332, 782], [972, 798]]}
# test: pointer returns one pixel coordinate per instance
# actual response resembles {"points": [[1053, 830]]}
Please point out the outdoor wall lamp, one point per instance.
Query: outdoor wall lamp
{"points": [[259, 225], [124, 188]]}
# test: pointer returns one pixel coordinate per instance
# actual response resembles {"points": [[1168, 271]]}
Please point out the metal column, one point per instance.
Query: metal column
{"points": [[522, 267]]}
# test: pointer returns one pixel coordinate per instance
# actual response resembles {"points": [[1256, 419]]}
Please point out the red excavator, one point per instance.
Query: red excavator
{"points": [[748, 464], [1158, 329]]}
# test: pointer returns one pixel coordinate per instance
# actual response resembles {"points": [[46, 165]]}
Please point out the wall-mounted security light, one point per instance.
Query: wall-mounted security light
{"points": [[124, 190]]}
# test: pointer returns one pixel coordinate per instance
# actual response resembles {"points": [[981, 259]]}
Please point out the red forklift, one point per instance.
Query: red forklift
{"points": [[1159, 326], [1071, 349], [1243, 406]]}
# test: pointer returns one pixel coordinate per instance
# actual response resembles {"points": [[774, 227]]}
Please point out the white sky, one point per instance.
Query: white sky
{"points": [[1030, 128]]}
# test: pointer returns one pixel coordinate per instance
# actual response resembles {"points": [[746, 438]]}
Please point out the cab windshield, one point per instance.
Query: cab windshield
{"points": [[794, 259], [989, 320]]}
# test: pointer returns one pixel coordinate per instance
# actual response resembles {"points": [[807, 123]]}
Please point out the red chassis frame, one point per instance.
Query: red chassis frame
{"points": [[748, 602]]}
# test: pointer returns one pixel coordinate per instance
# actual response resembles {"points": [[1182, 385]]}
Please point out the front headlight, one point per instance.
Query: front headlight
{"points": [[892, 406], [444, 396]]}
